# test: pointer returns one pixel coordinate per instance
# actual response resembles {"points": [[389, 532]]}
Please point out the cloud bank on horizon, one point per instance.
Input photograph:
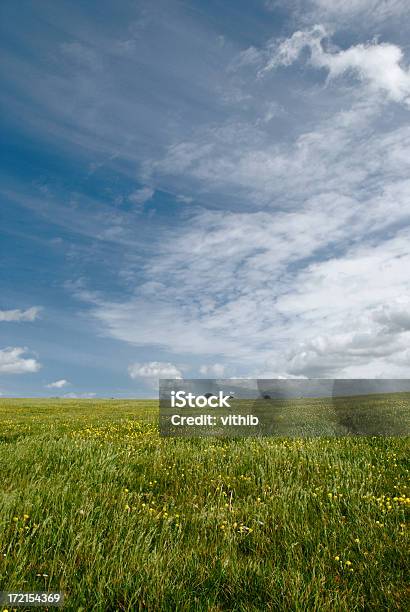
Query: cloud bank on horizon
{"points": [[204, 191]]}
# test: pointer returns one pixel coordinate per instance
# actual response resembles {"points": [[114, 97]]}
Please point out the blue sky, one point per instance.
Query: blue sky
{"points": [[202, 189]]}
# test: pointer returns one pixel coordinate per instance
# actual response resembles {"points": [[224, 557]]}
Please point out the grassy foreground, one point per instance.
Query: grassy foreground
{"points": [[94, 503]]}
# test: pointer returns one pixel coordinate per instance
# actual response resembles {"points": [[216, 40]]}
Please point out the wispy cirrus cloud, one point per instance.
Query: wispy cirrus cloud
{"points": [[353, 13], [278, 284], [341, 328]]}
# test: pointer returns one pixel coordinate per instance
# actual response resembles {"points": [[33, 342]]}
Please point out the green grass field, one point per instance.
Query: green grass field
{"points": [[94, 503]]}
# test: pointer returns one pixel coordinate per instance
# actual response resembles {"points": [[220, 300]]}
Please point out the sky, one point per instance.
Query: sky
{"points": [[202, 189]]}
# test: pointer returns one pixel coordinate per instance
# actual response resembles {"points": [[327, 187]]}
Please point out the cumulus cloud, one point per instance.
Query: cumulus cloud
{"points": [[58, 384], [140, 196], [154, 370], [14, 361], [16, 315], [331, 355], [380, 65]]}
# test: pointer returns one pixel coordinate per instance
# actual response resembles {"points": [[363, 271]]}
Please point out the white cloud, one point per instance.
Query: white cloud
{"points": [[380, 65], [299, 274], [140, 196], [250, 287], [283, 174], [215, 370], [31, 314], [13, 361], [154, 369], [355, 6], [368, 10], [58, 384]]}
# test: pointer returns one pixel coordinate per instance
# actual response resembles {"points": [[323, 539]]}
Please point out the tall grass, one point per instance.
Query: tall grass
{"points": [[95, 504]]}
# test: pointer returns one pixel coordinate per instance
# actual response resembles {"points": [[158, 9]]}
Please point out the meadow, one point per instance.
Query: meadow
{"points": [[95, 504]]}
